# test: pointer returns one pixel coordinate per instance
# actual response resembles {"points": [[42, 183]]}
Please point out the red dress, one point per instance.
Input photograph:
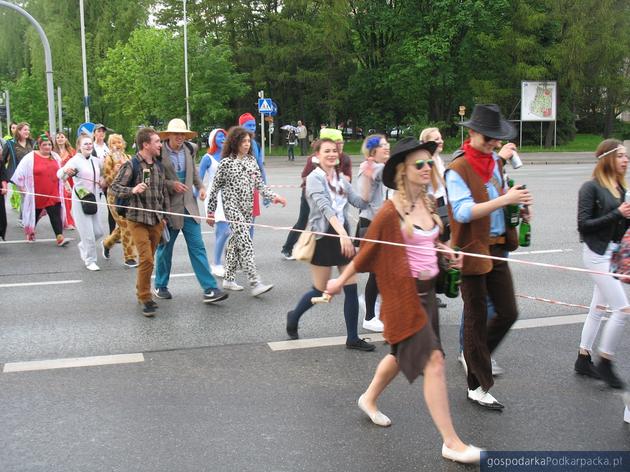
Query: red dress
{"points": [[67, 190], [46, 181]]}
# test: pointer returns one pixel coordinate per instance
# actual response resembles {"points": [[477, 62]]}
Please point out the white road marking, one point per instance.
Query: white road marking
{"points": [[318, 342], [72, 362], [31, 284], [542, 251], [20, 241], [374, 337]]}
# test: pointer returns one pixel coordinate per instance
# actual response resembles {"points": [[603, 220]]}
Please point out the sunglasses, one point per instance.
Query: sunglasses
{"points": [[488, 138], [421, 162]]}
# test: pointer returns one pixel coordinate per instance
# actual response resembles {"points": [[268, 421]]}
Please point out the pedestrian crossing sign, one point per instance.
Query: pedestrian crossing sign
{"points": [[265, 105]]}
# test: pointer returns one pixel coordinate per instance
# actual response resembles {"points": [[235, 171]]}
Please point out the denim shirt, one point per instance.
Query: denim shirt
{"points": [[462, 202], [320, 201]]}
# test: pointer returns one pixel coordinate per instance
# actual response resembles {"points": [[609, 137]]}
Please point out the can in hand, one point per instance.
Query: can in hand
{"points": [[146, 176], [516, 161]]}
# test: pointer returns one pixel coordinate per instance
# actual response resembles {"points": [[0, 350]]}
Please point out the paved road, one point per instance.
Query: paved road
{"points": [[209, 392]]}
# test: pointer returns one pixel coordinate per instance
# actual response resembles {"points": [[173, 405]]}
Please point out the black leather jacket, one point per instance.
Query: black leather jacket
{"points": [[599, 220]]}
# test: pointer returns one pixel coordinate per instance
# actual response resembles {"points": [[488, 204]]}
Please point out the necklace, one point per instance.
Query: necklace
{"points": [[413, 204]]}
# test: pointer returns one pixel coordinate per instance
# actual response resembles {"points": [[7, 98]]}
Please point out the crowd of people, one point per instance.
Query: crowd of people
{"points": [[406, 195]]}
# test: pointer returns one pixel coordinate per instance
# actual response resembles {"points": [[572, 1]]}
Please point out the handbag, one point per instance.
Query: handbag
{"points": [[88, 202], [88, 199], [304, 247], [620, 259]]}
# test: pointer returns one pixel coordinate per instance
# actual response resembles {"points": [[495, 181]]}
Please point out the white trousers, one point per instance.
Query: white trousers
{"points": [[89, 228], [608, 291]]}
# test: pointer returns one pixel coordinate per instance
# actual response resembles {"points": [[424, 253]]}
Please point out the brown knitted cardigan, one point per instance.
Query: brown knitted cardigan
{"points": [[401, 311]]}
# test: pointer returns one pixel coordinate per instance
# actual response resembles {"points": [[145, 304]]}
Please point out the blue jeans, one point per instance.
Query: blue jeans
{"points": [[221, 233], [196, 253]]}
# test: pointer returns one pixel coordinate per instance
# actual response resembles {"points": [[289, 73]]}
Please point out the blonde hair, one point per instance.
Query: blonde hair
{"points": [[605, 172], [113, 136], [428, 200], [426, 132]]}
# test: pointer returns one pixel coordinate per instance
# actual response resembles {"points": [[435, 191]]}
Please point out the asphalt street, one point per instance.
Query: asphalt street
{"points": [[208, 392]]}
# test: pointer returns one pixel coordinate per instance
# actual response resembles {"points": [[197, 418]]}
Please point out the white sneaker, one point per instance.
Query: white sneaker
{"points": [[92, 266], [626, 415], [231, 285], [496, 368], [259, 288], [374, 325], [626, 399], [462, 361], [217, 270]]}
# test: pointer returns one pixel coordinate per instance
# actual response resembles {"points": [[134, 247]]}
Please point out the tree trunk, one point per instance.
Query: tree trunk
{"points": [[549, 134]]}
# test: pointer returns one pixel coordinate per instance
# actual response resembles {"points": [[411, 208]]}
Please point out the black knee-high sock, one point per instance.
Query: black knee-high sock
{"points": [[371, 293], [351, 311], [304, 304]]}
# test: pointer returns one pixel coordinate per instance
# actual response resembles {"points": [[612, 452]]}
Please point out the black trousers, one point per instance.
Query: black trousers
{"points": [[110, 218], [299, 224], [54, 214], [481, 337]]}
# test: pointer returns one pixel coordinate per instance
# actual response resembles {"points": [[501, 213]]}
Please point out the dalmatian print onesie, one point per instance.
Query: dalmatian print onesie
{"points": [[237, 178]]}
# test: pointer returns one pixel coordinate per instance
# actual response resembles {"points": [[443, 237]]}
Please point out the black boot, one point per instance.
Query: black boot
{"points": [[584, 366], [292, 326], [607, 374]]}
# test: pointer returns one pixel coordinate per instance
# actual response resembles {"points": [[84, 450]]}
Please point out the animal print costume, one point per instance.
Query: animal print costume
{"points": [[237, 178], [112, 164]]}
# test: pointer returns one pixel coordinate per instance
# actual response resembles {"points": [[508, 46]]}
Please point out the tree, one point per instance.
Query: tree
{"points": [[143, 80]]}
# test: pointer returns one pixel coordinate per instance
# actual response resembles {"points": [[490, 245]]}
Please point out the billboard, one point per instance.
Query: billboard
{"points": [[538, 101]]}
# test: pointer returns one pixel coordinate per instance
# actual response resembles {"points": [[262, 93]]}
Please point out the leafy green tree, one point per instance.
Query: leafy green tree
{"points": [[143, 80]]}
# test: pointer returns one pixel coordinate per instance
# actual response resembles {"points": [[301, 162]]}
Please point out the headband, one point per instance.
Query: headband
{"points": [[609, 152]]}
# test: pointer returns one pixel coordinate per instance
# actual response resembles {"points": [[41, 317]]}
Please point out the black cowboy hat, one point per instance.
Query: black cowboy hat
{"points": [[487, 120], [399, 153]]}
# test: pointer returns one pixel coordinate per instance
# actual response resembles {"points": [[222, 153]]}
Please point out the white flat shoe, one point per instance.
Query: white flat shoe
{"points": [[378, 418], [92, 266], [471, 455], [626, 414]]}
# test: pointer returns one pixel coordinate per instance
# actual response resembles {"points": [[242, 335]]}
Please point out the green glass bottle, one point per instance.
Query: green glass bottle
{"points": [[524, 234], [453, 279], [512, 211]]}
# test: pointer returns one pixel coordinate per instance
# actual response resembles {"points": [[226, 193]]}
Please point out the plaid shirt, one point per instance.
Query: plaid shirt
{"points": [[155, 197]]}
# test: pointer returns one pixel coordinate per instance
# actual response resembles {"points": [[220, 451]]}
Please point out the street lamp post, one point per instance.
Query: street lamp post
{"points": [[47, 61], [86, 97], [186, 66]]}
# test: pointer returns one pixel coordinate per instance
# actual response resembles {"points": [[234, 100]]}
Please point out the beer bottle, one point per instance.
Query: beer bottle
{"points": [[453, 279], [524, 232], [513, 210]]}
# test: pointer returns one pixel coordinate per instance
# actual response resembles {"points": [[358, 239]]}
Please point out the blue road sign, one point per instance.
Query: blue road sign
{"points": [[265, 106]]}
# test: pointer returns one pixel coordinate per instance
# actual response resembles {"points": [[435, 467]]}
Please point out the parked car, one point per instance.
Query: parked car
{"points": [[349, 133], [400, 131]]}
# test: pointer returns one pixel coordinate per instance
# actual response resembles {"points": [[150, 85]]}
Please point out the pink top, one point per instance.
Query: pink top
{"points": [[422, 257]]}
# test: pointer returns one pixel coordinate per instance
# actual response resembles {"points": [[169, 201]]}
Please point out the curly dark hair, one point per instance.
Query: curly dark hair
{"points": [[235, 136]]}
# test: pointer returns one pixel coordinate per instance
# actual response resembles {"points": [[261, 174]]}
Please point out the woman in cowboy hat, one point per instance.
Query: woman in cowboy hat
{"points": [[405, 273]]}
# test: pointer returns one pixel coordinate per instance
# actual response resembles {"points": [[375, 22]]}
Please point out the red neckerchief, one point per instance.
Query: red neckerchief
{"points": [[482, 164]]}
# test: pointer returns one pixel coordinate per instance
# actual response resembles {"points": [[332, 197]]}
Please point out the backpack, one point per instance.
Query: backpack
{"points": [[122, 202]]}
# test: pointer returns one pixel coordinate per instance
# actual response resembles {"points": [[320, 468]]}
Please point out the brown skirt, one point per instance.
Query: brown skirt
{"points": [[413, 353]]}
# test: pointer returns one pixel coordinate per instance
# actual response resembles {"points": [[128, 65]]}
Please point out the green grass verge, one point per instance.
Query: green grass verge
{"points": [[581, 143]]}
